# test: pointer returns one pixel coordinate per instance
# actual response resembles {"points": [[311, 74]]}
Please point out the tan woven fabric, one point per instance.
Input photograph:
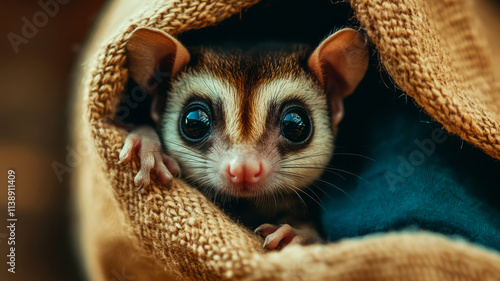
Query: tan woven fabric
{"points": [[432, 51]]}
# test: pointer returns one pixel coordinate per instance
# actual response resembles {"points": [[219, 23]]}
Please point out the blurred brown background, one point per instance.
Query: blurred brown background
{"points": [[35, 84], [35, 90]]}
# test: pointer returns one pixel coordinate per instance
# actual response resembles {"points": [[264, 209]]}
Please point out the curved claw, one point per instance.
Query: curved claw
{"points": [[278, 237], [145, 144]]}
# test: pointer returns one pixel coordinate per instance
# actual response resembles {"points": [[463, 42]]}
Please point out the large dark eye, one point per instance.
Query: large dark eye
{"points": [[195, 122], [296, 125]]}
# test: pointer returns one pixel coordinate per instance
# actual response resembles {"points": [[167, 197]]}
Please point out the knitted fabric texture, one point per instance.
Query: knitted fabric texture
{"points": [[433, 52]]}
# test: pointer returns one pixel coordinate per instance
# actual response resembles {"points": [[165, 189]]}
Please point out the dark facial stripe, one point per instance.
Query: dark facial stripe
{"points": [[219, 122], [248, 67], [272, 132], [247, 103]]}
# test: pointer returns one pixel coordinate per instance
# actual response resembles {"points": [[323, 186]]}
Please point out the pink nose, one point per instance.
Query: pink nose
{"points": [[246, 171]]}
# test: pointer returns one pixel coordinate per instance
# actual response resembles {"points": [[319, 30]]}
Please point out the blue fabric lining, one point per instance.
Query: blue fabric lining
{"points": [[420, 177]]}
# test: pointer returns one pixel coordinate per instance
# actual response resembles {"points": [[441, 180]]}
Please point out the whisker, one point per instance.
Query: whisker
{"points": [[354, 154], [199, 167], [324, 192], [347, 172], [189, 153], [294, 189], [326, 169], [325, 182], [336, 187], [192, 158], [300, 190], [318, 168], [286, 158], [274, 198], [184, 146]]}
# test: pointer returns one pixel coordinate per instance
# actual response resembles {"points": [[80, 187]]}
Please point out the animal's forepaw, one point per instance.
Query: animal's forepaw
{"points": [[144, 143], [278, 237]]}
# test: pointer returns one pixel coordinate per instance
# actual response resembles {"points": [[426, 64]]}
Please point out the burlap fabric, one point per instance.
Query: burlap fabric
{"points": [[433, 52]]}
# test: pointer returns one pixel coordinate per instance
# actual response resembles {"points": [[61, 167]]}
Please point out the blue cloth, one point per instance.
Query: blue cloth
{"points": [[420, 177]]}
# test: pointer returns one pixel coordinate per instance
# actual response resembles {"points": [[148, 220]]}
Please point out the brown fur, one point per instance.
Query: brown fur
{"points": [[247, 69], [248, 88]]}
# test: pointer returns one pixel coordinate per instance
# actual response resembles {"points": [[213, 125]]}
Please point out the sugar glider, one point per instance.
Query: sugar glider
{"points": [[243, 121]]}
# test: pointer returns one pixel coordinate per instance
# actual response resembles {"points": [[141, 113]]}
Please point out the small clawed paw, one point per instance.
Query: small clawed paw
{"points": [[145, 144], [278, 237]]}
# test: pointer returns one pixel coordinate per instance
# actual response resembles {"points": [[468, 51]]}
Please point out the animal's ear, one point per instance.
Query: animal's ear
{"points": [[153, 57], [339, 63]]}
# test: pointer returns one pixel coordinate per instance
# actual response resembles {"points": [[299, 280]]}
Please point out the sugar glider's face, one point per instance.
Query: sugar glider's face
{"points": [[253, 121], [248, 123]]}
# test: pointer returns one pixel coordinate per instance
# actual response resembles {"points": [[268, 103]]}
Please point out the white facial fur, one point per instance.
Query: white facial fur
{"points": [[207, 169], [249, 89]]}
